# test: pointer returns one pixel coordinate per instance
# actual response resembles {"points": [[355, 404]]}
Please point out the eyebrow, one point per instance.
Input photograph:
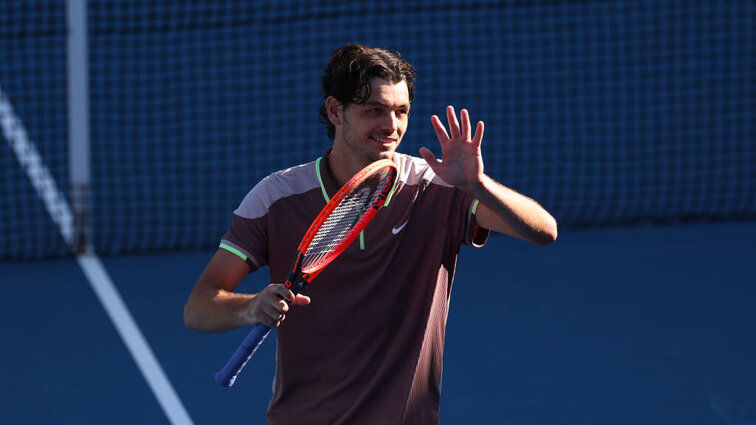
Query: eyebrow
{"points": [[385, 105]]}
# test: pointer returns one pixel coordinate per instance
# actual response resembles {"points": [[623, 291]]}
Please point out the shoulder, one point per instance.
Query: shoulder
{"points": [[276, 186], [415, 171]]}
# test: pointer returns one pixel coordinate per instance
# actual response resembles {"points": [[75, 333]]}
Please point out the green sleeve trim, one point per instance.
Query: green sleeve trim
{"points": [[320, 180], [475, 206], [233, 250]]}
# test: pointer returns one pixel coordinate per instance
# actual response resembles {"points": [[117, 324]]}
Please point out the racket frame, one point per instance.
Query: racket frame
{"points": [[299, 278]]}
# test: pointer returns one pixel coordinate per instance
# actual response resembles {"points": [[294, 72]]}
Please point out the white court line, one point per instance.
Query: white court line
{"points": [[32, 162], [135, 342], [101, 283]]}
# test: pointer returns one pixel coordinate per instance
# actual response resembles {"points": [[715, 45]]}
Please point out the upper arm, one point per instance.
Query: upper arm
{"points": [[211, 305], [224, 271]]}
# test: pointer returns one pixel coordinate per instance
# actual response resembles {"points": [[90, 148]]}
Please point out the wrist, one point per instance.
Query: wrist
{"points": [[477, 187]]}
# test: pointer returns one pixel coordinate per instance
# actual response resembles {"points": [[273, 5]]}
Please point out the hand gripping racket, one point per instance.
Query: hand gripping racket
{"points": [[337, 225]]}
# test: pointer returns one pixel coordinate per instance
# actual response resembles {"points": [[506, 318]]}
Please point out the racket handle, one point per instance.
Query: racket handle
{"points": [[230, 371]]}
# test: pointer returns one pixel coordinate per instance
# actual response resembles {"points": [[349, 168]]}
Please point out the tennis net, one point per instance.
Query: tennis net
{"points": [[606, 112]]}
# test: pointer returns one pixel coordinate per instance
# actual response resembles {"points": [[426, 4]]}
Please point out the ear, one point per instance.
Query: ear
{"points": [[334, 110]]}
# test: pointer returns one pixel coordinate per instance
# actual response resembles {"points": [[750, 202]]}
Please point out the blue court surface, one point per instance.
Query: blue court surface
{"points": [[634, 325]]}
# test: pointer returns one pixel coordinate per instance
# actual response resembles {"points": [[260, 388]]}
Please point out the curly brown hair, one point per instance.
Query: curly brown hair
{"points": [[350, 68]]}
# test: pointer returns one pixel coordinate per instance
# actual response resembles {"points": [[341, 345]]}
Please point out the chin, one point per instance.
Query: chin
{"points": [[389, 154]]}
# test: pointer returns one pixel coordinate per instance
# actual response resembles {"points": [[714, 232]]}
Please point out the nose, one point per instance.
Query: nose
{"points": [[391, 121]]}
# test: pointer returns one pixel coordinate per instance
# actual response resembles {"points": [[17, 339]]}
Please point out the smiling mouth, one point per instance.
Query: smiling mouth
{"points": [[384, 140]]}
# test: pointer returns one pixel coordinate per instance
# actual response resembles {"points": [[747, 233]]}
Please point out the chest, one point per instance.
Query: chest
{"points": [[418, 224]]}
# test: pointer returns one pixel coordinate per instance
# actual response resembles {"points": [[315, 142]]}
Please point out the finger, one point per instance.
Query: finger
{"points": [[283, 306], [289, 296], [278, 319], [438, 126], [276, 322], [300, 300], [275, 317], [453, 123], [280, 291], [272, 310], [268, 315], [478, 138], [464, 116]]}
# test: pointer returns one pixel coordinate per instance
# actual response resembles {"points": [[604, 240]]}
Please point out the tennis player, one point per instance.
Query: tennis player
{"points": [[363, 344]]}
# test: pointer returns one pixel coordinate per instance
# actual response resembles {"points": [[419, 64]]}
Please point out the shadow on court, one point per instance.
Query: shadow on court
{"points": [[621, 326]]}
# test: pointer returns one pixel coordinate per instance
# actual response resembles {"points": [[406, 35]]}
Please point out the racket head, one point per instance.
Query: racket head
{"points": [[337, 225], [346, 215]]}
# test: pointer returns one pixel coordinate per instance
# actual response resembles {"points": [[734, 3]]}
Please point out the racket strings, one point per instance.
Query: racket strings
{"points": [[341, 222]]}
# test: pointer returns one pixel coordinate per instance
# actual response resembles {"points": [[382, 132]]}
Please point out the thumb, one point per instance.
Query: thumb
{"points": [[429, 157]]}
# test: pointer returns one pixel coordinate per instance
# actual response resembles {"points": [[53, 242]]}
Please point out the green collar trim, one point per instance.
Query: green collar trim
{"points": [[320, 180]]}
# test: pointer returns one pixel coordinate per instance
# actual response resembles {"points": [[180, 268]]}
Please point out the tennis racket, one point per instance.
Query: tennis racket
{"points": [[337, 225]]}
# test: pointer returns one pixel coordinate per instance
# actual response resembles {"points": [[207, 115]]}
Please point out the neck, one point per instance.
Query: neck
{"points": [[342, 166]]}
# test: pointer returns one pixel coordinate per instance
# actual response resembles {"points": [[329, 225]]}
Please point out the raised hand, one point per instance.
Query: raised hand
{"points": [[461, 163], [501, 209]]}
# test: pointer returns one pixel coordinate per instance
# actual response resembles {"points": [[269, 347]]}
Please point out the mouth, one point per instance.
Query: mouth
{"points": [[385, 141]]}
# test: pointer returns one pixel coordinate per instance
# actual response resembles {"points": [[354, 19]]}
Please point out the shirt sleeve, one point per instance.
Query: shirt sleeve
{"points": [[247, 236], [475, 236]]}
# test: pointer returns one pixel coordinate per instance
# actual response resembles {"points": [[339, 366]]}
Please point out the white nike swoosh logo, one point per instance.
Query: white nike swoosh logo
{"points": [[396, 230]]}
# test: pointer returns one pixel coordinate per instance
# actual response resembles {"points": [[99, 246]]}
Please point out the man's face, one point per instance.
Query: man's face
{"points": [[373, 130]]}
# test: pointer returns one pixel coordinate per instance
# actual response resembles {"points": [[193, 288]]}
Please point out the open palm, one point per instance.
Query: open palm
{"points": [[461, 163]]}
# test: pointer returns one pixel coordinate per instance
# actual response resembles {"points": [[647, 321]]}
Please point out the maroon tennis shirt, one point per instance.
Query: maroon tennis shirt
{"points": [[369, 348]]}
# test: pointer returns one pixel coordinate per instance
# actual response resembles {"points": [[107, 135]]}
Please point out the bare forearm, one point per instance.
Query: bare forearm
{"points": [[215, 310], [501, 209], [506, 211]]}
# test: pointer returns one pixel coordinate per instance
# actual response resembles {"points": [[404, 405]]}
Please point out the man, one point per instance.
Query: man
{"points": [[364, 343]]}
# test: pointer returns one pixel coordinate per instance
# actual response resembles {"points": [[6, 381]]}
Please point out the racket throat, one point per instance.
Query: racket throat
{"points": [[297, 280]]}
